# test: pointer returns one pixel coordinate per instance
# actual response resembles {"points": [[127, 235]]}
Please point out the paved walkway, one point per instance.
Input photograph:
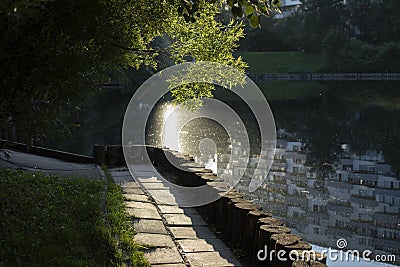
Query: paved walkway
{"points": [[178, 236], [30, 162]]}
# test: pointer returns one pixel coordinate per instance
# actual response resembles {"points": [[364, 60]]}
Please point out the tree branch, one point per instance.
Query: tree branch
{"points": [[150, 51]]}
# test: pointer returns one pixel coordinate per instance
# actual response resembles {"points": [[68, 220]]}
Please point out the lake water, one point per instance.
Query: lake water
{"points": [[336, 168]]}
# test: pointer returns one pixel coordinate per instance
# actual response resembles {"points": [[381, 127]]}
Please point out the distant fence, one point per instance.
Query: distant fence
{"points": [[288, 77], [325, 76]]}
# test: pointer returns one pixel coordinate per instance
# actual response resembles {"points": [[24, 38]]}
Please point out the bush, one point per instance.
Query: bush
{"points": [[51, 221], [389, 57], [333, 42], [359, 56]]}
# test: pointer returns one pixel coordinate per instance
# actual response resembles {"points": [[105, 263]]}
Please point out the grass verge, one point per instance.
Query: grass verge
{"points": [[119, 230], [53, 221]]}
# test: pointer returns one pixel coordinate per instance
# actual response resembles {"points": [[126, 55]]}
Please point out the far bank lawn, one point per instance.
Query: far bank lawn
{"points": [[53, 221], [282, 62]]}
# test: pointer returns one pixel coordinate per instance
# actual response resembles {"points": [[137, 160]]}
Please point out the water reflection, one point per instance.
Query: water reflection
{"points": [[334, 174], [359, 199]]}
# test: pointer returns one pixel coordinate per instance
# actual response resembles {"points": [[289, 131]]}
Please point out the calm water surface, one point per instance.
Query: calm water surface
{"points": [[337, 163]]}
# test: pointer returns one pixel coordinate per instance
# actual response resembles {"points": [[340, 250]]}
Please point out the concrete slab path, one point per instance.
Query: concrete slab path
{"points": [[30, 162], [178, 236]]}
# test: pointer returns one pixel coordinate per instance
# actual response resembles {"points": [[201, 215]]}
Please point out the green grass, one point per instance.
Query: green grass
{"points": [[52, 221], [282, 62], [120, 230]]}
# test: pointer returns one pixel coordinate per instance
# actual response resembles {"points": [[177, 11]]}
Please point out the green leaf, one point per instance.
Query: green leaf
{"points": [[254, 22], [249, 9], [262, 8], [230, 3]]}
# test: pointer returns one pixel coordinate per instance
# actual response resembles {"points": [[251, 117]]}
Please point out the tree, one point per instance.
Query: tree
{"points": [[359, 10], [318, 18], [52, 52], [375, 22]]}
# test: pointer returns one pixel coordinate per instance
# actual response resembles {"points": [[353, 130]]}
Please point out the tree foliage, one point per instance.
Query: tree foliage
{"points": [[53, 52], [375, 22], [353, 36], [358, 56], [318, 17]]}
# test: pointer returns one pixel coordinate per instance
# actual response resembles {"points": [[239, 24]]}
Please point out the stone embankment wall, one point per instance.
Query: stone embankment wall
{"points": [[239, 222]]}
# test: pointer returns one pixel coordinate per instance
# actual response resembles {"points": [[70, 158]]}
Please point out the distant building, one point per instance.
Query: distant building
{"points": [[288, 7]]}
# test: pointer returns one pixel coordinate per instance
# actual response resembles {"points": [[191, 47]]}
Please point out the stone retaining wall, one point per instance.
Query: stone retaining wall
{"points": [[239, 222]]}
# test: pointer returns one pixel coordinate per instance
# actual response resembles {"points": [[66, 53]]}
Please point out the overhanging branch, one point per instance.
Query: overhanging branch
{"points": [[149, 51]]}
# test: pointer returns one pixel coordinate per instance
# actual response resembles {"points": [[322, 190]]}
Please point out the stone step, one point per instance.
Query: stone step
{"points": [[184, 219], [202, 245], [155, 240], [163, 256], [149, 226], [214, 259], [193, 232]]}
